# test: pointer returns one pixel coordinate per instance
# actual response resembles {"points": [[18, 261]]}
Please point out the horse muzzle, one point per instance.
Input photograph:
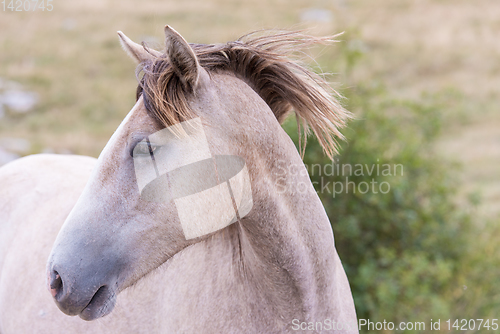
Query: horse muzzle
{"points": [[88, 298]]}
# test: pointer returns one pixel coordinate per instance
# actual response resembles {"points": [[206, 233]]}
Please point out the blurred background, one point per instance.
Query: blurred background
{"points": [[422, 78]]}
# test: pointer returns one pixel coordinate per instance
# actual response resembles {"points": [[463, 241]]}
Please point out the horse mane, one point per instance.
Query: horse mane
{"points": [[268, 63]]}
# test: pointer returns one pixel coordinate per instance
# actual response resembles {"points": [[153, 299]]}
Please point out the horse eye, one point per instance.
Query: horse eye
{"points": [[142, 148]]}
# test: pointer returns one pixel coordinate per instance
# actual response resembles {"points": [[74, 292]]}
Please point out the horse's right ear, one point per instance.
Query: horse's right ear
{"points": [[182, 59]]}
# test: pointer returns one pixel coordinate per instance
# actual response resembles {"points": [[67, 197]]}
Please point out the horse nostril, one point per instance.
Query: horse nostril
{"points": [[56, 284]]}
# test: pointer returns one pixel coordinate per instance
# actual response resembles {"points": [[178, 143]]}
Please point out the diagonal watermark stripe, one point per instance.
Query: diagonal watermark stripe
{"points": [[209, 192]]}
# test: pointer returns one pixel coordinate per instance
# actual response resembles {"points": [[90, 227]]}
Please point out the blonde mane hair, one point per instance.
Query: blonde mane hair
{"points": [[268, 62]]}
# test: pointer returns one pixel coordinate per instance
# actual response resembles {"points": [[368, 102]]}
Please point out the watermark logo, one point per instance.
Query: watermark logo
{"points": [[209, 192], [336, 178]]}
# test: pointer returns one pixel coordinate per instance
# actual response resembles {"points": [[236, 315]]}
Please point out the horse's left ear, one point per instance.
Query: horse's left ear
{"points": [[182, 58], [137, 52]]}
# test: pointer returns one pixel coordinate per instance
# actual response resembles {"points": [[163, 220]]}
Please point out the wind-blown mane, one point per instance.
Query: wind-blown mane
{"points": [[267, 64]]}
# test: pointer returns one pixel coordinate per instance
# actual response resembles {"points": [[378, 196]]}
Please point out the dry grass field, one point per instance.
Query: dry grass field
{"points": [[71, 58]]}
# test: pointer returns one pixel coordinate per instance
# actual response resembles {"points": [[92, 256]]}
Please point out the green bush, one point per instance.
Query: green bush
{"points": [[410, 252]]}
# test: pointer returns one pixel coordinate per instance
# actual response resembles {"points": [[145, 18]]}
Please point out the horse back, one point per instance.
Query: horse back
{"points": [[36, 195]]}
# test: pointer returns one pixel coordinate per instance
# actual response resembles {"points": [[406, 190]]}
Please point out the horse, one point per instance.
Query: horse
{"points": [[124, 262]]}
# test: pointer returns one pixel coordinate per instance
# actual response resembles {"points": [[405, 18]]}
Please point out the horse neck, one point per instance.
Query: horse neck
{"points": [[283, 249], [287, 240]]}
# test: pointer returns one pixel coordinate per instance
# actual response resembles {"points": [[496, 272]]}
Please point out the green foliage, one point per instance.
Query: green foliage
{"points": [[410, 252]]}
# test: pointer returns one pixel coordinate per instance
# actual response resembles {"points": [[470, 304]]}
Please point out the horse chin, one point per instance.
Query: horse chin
{"points": [[100, 305]]}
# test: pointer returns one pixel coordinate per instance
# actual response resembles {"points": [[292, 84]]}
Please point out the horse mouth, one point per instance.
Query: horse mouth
{"points": [[101, 304]]}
